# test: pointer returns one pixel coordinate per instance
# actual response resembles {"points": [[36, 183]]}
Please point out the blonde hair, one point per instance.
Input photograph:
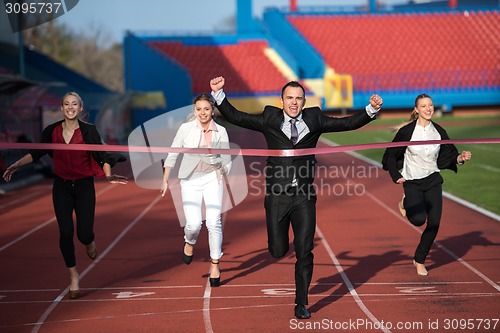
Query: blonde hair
{"points": [[413, 114], [72, 93]]}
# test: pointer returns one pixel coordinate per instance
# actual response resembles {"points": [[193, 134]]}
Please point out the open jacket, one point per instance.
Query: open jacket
{"points": [[90, 136], [393, 158], [188, 136], [281, 170]]}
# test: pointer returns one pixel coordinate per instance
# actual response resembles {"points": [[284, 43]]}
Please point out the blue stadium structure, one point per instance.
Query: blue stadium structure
{"points": [[26, 98], [341, 55]]}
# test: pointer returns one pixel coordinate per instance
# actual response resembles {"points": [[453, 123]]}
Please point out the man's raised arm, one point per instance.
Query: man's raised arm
{"points": [[229, 112]]}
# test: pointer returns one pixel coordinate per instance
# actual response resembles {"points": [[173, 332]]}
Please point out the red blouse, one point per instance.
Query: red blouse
{"points": [[71, 164]]}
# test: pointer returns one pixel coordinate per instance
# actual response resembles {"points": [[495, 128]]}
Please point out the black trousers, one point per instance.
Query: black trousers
{"points": [[424, 202], [299, 209], [77, 196]]}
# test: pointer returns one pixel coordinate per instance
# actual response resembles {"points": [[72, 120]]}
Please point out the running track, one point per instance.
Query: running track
{"points": [[363, 280]]}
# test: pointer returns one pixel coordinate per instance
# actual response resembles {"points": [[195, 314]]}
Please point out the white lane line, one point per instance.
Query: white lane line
{"points": [[436, 243], [147, 314], [489, 167], [466, 264], [206, 297], [206, 308], [24, 198], [357, 283], [427, 294], [348, 283], [484, 147], [28, 290], [58, 299], [23, 236], [152, 287], [472, 206], [44, 224], [257, 285], [244, 297], [170, 313], [419, 283], [445, 194]]}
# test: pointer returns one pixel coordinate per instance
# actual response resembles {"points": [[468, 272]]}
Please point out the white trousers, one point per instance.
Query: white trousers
{"points": [[198, 188]]}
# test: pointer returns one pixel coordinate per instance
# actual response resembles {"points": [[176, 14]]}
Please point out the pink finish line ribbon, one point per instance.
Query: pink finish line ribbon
{"points": [[244, 152]]}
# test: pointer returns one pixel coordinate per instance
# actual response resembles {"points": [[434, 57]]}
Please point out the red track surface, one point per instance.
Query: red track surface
{"points": [[363, 271]]}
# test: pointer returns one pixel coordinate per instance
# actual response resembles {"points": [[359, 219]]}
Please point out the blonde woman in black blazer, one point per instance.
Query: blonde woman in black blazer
{"points": [[417, 169], [74, 173]]}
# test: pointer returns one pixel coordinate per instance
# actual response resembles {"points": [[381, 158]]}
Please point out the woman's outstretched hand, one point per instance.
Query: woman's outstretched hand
{"points": [[464, 156], [117, 179], [10, 171], [164, 188]]}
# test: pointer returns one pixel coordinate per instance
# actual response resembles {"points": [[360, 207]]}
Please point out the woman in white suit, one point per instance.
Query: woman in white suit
{"points": [[201, 180]]}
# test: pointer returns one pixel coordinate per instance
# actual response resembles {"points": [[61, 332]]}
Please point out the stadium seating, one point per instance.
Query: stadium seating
{"points": [[243, 64], [409, 51], [24, 111]]}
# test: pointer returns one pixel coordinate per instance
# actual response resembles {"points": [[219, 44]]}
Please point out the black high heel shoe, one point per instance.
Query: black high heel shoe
{"points": [[74, 294], [215, 282], [185, 258]]}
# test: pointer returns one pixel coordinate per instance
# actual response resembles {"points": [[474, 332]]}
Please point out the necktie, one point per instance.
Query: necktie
{"points": [[293, 129]]}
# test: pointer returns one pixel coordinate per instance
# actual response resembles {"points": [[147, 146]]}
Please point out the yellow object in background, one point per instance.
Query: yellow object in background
{"points": [[338, 91]]}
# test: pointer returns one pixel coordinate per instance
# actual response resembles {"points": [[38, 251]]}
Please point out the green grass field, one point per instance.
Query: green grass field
{"points": [[477, 181]]}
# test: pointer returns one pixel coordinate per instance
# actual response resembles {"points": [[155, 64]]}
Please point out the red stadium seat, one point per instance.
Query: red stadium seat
{"points": [[238, 63], [432, 44]]}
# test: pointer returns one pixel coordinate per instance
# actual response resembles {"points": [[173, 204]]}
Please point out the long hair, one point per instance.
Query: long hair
{"points": [[202, 97], [413, 114]]}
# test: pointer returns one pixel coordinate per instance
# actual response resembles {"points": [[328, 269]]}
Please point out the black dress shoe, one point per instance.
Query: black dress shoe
{"points": [[301, 312], [185, 258]]}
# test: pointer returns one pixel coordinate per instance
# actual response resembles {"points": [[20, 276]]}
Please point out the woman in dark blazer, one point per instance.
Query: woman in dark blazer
{"points": [[417, 168], [74, 172]]}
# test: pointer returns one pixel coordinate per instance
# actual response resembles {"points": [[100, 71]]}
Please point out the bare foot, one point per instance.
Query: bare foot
{"points": [[420, 268]]}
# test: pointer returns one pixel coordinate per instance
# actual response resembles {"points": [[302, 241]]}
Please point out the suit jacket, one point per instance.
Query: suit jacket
{"points": [[90, 136], [393, 158], [281, 170], [188, 136]]}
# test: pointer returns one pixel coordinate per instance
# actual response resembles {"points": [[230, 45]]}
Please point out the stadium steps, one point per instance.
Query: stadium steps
{"points": [[280, 64]]}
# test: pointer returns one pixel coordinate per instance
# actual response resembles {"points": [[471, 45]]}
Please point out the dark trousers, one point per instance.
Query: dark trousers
{"points": [[77, 196], [424, 202], [299, 210]]}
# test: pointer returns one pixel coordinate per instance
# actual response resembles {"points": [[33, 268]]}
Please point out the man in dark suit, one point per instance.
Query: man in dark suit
{"points": [[290, 195]]}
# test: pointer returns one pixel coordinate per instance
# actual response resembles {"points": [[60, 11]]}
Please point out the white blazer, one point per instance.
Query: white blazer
{"points": [[188, 136]]}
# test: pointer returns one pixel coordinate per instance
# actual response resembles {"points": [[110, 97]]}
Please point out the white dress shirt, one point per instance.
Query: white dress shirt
{"points": [[301, 126], [420, 161]]}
